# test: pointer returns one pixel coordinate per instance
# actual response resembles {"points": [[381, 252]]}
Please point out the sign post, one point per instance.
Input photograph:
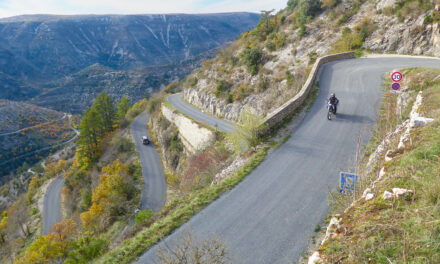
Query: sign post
{"points": [[348, 182]]}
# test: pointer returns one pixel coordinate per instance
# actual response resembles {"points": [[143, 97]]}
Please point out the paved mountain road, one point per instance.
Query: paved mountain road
{"points": [[51, 205], [187, 109], [270, 216], [154, 192]]}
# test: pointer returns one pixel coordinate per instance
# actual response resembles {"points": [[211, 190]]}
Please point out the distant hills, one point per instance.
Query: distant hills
{"points": [[38, 50]]}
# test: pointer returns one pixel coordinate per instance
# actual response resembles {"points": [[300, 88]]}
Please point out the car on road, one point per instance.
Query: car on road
{"points": [[145, 140]]}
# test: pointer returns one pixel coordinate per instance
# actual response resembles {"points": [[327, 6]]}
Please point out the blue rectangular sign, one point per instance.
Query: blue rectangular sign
{"points": [[348, 181]]}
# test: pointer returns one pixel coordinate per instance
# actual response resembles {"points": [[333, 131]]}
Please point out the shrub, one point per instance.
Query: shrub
{"points": [[122, 144], [270, 45], [143, 216], [312, 57], [252, 58], [136, 109], [222, 88], [248, 132], [172, 87], [154, 104]]}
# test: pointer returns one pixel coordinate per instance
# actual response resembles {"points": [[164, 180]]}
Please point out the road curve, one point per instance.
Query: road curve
{"points": [[187, 109], [270, 216], [154, 192], [51, 205]]}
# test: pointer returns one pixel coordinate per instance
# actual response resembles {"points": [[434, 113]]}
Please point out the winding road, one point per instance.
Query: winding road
{"points": [[270, 216], [177, 101], [155, 189], [51, 204]]}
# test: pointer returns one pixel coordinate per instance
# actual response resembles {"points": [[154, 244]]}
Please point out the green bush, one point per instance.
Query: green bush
{"points": [[252, 58], [270, 46], [222, 88], [143, 216], [86, 249]]}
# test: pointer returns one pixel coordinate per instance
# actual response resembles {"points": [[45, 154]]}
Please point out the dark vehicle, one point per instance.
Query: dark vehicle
{"points": [[145, 140]]}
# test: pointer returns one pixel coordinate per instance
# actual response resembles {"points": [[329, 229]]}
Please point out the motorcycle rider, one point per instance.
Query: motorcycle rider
{"points": [[333, 101]]}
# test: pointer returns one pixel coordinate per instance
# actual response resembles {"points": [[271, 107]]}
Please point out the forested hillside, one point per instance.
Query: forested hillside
{"points": [[29, 132]]}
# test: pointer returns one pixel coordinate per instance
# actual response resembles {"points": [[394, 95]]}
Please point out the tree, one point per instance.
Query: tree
{"points": [[3, 225], [265, 16], [64, 229], [108, 198], [91, 133], [33, 185], [248, 132], [123, 107], [105, 107]]}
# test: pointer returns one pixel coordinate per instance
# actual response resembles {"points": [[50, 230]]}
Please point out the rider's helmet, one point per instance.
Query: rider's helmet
{"points": [[332, 95]]}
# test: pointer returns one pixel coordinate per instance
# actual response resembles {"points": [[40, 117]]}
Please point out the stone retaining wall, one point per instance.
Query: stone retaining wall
{"points": [[282, 112], [194, 137]]}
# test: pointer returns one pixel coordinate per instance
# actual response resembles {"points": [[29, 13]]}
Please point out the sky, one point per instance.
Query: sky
{"points": [[71, 7]]}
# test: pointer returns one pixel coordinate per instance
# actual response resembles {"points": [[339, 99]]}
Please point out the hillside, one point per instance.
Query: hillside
{"points": [[44, 48], [77, 91], [28, 132], [268, 65]]}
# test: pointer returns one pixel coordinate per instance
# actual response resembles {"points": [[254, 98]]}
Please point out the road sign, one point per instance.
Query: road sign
{"points": [[396, 76], [348, 181], [395, 86]]}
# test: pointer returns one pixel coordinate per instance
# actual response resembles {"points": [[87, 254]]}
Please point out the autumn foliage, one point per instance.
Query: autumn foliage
{"points": [[108, 198], [52, 246]]}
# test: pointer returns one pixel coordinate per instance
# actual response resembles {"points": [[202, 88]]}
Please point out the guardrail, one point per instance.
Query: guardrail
{"points": [[276, 117]]}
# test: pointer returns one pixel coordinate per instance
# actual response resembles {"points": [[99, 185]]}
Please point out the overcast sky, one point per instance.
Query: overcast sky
{"points": [[19, 7]]}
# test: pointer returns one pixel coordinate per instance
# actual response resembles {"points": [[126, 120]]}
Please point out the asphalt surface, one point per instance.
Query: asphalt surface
{"points": [[270, 216], [51, 206], [154, 192], [187, 109]]}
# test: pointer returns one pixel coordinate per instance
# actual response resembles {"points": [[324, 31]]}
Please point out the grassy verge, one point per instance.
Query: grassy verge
{"points": [[399, 230], [176, 213]]}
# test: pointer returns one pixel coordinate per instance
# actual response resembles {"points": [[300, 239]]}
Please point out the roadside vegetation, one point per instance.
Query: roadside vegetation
{"points": [[401, 230], [102, 189]]}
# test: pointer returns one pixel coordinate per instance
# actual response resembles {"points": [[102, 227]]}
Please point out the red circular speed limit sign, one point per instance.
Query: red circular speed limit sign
{"points": [[396, 76]]}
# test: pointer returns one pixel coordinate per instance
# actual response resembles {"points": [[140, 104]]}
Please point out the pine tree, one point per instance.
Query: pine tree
{"points": [[105, 107], [92, 131], [123, 107]]}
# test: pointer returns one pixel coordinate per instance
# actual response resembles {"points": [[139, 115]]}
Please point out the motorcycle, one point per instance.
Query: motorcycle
{"points": [[331, 111]]}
